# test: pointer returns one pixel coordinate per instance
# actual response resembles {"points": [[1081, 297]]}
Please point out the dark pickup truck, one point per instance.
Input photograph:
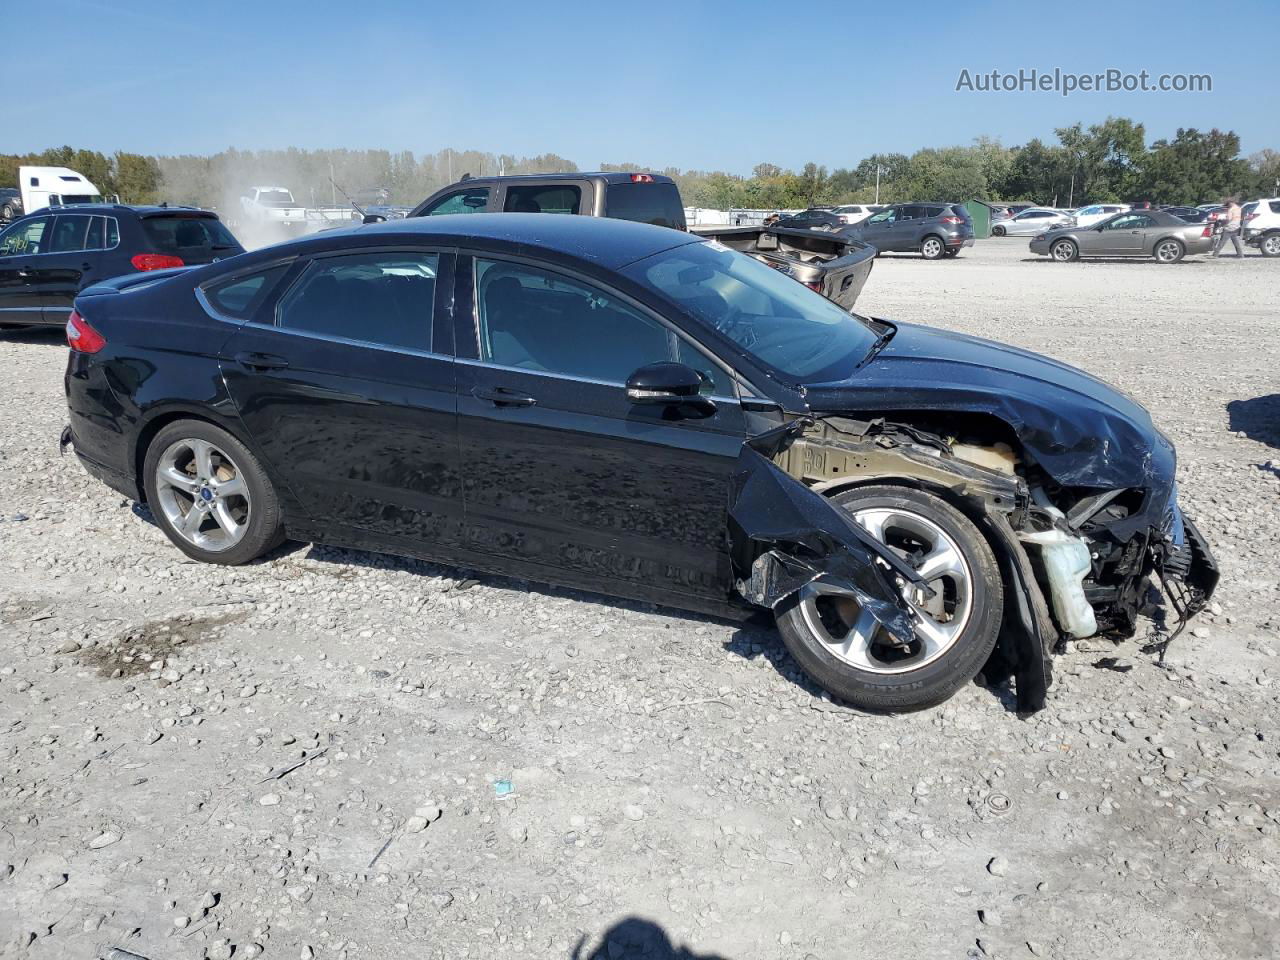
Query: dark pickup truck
{"points": [[835, 266]]}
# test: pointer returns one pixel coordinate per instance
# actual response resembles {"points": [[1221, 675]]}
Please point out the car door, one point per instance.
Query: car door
{"points": [[877, 230], [68, 264], [565, 478], [1124, 235], [346, 384], [21, 245]]}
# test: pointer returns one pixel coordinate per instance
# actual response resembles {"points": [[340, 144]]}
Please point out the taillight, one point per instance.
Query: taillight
{"points": [[1207, 232], [814, 285], [952, 220], [155, 261], [642, 178], [1250, 216], [81, 337]]}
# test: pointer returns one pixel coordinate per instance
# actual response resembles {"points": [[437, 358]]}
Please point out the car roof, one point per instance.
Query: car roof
{"points": [[611, 177], [608, 242], [141, 209]]}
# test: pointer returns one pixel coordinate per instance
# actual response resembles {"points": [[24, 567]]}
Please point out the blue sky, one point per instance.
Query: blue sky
{"points": [[690, 84]]}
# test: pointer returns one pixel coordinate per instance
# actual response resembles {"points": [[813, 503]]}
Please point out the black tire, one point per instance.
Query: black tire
{"points": [[1269, 245], [6, 213], [998, 231], [932, 247], [1168, 250], [265, 529], [1068, 248], [934, 681], [952, 252]]}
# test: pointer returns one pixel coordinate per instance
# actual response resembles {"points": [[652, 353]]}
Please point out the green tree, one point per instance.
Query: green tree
{"points": [[1196, 167]]}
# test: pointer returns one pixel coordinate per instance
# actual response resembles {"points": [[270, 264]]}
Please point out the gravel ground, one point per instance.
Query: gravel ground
{"points": [[484, 768]]}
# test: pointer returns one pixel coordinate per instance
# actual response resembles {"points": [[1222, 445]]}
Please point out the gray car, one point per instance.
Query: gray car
{"points": [[1138, 233], [1028, 223], [935, 230]]}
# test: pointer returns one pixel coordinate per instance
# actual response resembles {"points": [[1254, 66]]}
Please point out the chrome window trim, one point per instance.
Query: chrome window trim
{"points": [[567, 376], [203, 299], [347, 341]]}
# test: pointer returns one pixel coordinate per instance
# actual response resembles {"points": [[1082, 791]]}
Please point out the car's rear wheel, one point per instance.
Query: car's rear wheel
{"points": [[843, 648], [953, 251], [210, 495], [931, 248], [1169, 251], [1270, 245], [998, 231], [6, 213], [1064, 251]]}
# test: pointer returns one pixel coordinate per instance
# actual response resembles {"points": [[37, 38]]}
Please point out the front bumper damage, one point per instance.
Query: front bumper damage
{"points": [[785, 533]]}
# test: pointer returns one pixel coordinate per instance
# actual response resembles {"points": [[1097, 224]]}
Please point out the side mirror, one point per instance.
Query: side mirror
{"points": [[374, 218], [663, 384]]}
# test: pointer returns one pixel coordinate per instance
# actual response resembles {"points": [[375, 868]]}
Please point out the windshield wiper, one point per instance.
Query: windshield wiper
{"points": [[881, 341]]}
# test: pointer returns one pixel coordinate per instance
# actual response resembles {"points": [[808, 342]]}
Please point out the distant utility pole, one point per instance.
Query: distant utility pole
{"points": [[333, 191], [1072, 193], [449, 153], [878, 169]]}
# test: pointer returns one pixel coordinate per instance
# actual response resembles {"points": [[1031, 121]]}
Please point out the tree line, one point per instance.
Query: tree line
{"points": [[1108, 161]]}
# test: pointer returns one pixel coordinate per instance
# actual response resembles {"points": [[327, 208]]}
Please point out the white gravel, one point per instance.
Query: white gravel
{"points": [[505, 770]]}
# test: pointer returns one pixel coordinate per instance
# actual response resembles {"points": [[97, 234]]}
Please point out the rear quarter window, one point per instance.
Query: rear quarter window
{"points": [[655, 203], [240, 297]]}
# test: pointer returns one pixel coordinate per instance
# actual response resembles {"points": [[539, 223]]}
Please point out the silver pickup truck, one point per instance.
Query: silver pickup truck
{"points": [[836, 267]]}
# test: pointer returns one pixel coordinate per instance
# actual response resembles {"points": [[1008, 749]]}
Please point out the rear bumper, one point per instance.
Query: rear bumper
{"points": [[114, 479], [959, 241]]}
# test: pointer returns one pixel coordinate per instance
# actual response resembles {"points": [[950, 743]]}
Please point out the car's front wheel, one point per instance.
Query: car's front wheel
{"points": [[210, 495], [931, 248], [1169, 251], [1064, 251], [998, 231], [843, 648]]}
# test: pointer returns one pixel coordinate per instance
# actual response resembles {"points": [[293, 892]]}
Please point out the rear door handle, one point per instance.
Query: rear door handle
{"points": [[502, 397], [261, 361]]}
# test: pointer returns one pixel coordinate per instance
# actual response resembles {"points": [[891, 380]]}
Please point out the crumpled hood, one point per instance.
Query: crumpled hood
{"points": [[1082, 431]]}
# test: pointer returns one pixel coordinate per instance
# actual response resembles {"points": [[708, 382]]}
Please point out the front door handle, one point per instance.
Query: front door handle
{"points": [[502, 397], [261, 361]]}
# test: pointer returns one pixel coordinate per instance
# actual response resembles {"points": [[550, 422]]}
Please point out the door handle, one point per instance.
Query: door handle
{"points": [[502, 397], [86, 266], [24, 272], [261, 361]]}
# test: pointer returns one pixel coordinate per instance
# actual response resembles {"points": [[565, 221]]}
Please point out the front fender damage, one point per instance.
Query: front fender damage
{"points": [[784, 534]]}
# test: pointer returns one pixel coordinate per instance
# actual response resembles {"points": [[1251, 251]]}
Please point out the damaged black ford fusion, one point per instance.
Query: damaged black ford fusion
{"points": [[637, 412]]}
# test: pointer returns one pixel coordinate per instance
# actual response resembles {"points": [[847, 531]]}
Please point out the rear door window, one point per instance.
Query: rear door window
{"points": [[68, 234], [471, 200], [655, 203], [24, 238], [1275, 205], [543, 198], [380, 298]]}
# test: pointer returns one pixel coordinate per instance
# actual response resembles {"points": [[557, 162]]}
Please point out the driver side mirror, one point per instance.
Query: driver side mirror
{"points": [[669, 384], [374, 218]]}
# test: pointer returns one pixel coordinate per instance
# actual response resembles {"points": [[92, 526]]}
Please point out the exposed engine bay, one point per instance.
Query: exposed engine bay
{"points": [[1075, 561]]}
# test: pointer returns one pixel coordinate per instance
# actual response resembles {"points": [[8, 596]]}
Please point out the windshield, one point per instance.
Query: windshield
{"points": [[787, 327]]}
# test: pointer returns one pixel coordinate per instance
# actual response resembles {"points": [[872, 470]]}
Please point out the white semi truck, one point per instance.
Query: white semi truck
{"points": [[42, 187]]}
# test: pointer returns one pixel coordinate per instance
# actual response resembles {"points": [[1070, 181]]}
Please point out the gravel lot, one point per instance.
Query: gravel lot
{"points": [[497, 769]]}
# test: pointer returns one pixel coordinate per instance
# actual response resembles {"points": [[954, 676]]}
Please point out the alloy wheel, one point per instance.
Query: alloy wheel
{"points": [[1271, 246], [1063, 251], [854, 636], [1168, 251], [932, 248], [203, 494]]}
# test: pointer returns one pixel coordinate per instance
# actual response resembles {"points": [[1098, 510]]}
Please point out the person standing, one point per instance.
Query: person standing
{"points": [[1230, 229]]}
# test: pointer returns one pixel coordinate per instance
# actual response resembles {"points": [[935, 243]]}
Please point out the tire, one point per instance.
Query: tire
{"points": [[871, 675], [239, 517], [998, 231], [1064, 251], [1270, 245], [1169, 251], [932, 248], [6, 213], [952, 252]]}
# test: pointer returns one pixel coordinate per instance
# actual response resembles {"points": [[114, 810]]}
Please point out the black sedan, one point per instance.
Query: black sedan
{"points": [[636, 411]]}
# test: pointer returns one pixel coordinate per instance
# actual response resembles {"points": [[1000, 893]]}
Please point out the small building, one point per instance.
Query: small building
{"points": [[980, 213]]}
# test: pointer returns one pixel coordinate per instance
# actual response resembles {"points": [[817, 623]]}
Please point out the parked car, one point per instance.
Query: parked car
{"points": [[1189, 214], [833, 265], [643, 197], [999, 213], [10, 203], [47, 258], [1140, 205], [1029, 222], [813, 218], [1261, 225], [851, 213], [935, 230], [1097, 212], [1137, 233], [641, 413]]}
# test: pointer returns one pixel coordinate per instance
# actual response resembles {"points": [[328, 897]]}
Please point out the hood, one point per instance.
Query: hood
{"points": [[1080, 430]]}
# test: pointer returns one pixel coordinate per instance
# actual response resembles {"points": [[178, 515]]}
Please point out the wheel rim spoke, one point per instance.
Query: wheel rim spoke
{"points": [[177, 479], [230, 488], [187, 501], [202, 453]]}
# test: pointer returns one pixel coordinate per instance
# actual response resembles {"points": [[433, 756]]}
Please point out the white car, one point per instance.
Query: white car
{"points": [[1097, 212], [1029, 222], [852, 213], [1260, 222]]}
